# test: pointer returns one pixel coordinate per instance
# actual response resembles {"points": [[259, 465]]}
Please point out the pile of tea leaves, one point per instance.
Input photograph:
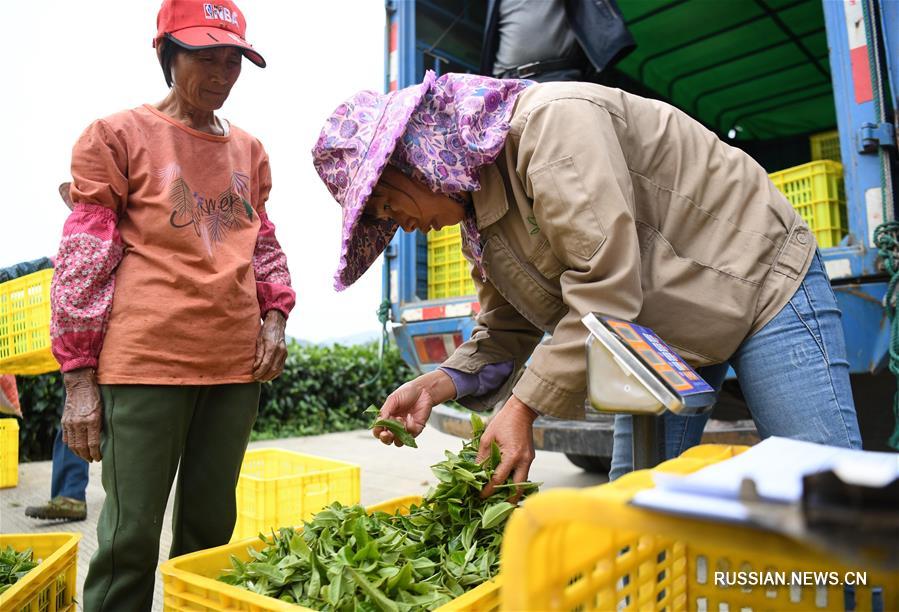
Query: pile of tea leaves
{"points": [[14, 565], [347, 560]]}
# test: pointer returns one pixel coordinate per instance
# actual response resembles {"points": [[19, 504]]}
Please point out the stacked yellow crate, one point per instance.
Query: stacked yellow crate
{"points": [[816, 192], [449, 273], [25, 325], [9, 452], [280, 488], [51, 586], [826, 145]]}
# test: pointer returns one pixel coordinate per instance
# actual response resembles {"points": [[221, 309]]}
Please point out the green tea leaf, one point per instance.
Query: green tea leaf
{"points": [[431, 601], [442, 473], [495, 455], [394, 426], [496, 514], [477, 426], [402, 580], [314, 585], [298, 546], [268, 571], [369, 552], [468, 534], [464, 474], [380, 600], [398, 430], [335, 589], [423, 564], [362, 537], [455, 513]]}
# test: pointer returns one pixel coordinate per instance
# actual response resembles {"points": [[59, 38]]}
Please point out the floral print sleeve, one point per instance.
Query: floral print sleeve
{"points": [[270, 267], [90, 250], [273, 289], [83, 285]]}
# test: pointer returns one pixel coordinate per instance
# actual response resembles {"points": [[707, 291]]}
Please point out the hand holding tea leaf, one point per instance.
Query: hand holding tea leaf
{"points": [[512, 431], [411, 405], [393, 426]]}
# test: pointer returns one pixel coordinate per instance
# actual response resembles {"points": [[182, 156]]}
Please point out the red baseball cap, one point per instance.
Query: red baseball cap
{"points": [[195, 24]]}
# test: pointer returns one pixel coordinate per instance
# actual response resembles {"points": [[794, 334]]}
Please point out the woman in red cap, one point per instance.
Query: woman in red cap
{"points": [[169, 304]]}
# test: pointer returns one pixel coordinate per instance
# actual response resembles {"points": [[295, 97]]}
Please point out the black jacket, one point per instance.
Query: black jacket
{"points": [[597, 25]]}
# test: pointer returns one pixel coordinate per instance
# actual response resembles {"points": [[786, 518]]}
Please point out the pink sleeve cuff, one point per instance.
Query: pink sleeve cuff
{"points": [[273, 296], [83, 285], [76, 350]]}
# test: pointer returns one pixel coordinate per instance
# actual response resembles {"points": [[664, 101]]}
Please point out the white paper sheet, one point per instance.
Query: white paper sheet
{"points": [[776, 467]]}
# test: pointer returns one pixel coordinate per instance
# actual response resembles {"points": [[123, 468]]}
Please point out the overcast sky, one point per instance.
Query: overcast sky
{"points": [[68, 63]]}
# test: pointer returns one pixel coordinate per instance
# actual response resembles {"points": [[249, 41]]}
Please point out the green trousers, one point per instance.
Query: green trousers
{"points": [[149, 434]]}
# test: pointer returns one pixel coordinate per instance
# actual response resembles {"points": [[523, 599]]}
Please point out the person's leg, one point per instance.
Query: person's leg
{"points": [[794, 372], [205, 507], [622, 447], [683, 432], [680, 432], [144, 428], [68, 484], [70, 472]]}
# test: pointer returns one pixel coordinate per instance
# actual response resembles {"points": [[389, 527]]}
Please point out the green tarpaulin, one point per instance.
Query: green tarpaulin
{"points": [[757, 67]]}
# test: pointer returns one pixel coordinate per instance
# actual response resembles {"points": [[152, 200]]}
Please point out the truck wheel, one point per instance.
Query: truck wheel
{"points": [[589, 463]]}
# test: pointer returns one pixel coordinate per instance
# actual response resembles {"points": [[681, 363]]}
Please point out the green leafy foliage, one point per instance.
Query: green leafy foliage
{"points": [[321, 391], [346, 560], [14, 565]]}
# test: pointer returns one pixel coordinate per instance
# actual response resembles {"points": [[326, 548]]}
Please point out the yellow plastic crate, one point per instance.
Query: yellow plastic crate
{"points": [[588, 550], [279, 487], [816, 192], [190, 584], [25, 325], [50, 587], [449, 273], [826, 145], [9, 453]]}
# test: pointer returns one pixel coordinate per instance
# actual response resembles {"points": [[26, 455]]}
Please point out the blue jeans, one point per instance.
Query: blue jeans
{"points": [[794, 375], [70, 472]]}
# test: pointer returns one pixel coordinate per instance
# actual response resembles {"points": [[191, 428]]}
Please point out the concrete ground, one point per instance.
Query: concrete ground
{"points": [[386, 473]]}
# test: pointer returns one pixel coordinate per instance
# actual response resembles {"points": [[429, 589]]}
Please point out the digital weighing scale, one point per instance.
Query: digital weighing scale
{"points": [[630, 370]]}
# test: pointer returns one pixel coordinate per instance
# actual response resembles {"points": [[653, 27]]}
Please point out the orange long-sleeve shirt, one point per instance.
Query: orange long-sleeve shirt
{"points": [[169, 258]]}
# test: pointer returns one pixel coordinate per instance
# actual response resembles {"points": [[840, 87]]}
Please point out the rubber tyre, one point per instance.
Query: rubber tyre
{"points": [[589, 463]]}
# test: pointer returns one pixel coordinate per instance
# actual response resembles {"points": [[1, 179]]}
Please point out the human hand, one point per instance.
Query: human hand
{"points": [[411, 404], [82, 416], [271, 348], [513, 431]]}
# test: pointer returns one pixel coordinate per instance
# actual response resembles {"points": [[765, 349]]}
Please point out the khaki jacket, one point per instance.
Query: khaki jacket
{"points": [[608, 202]]}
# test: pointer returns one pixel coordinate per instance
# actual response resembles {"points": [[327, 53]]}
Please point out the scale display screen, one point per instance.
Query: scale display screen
{"points": [[653, 352]]}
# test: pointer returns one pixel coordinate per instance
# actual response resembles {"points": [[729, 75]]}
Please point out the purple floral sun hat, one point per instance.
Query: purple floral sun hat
{"points": [[350, 154], [440, 133]]}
